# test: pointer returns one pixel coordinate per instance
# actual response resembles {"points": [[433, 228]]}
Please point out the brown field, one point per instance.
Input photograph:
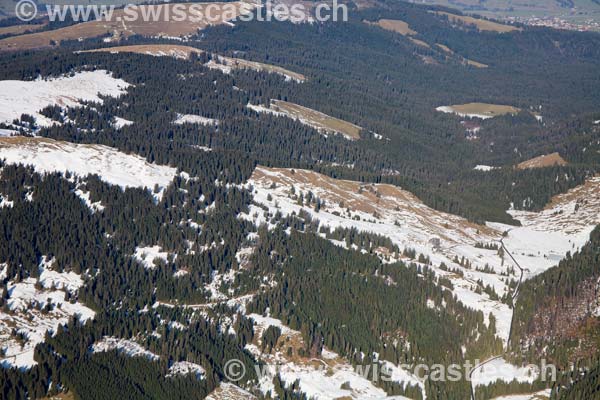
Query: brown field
{"points": [[548, 160], [475, 64], [481, 24], [419, 42], [317, 119], [20, 29], [489, 110], [394, 25], [118, 26], [61, 396], [445, 48], [184, 52]]}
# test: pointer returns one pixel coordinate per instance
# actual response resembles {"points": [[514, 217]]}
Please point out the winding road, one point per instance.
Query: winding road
{"points": [[514, 298]]}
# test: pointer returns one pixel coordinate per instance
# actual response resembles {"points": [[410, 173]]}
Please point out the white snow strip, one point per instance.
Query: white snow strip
{"points": [[50, 279], [8, 132], [4, 202], [263, 109], [484, 168]]}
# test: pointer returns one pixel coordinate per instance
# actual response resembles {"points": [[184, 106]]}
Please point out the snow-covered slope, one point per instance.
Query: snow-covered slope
{"points": [[123, 346], [186, 368], [113, 166], [29, 97], [35, 307], [326, 377], [389, 211], [397, 214], [229, 391]]}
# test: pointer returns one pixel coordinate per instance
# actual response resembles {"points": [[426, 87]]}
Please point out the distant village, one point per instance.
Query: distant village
{"points": [[557, 23]]}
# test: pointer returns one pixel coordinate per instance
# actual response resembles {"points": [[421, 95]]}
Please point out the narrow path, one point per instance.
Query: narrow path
{"points": [[514, 298]]}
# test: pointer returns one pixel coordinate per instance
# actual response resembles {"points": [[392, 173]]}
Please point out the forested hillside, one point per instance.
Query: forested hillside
{"points": [[182, 219]]}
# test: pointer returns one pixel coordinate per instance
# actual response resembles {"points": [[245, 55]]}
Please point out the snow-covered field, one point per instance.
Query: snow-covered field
{"points": [[501, 370], [227, 64], [29, 97], [478, 110], [224, 64], [119, 122], [27, 314], [113, 166]]}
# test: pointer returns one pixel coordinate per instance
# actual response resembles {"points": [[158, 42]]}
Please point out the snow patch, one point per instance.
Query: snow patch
{"points": [[119, 122], [194, 119], [85, 197], [147, 256], [123, 346], [186, 368]]}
